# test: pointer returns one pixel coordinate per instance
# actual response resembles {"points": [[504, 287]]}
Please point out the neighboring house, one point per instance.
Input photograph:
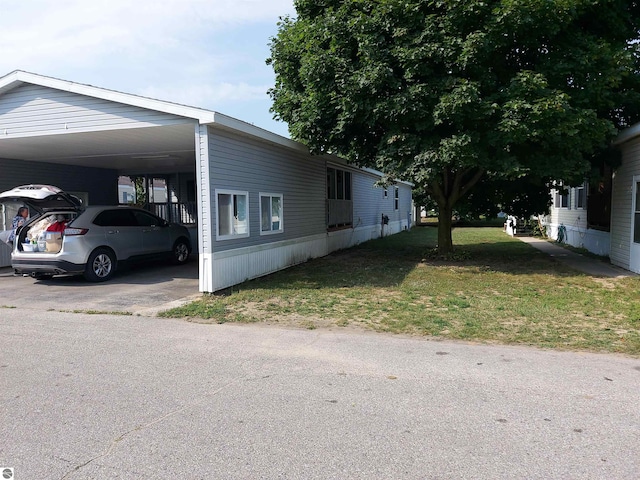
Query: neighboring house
{"points": [[625, 217], [258, 202], [576, 217], [609, 222]]}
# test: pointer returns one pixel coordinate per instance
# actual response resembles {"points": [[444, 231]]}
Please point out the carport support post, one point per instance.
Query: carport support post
{"points": [[205, 203]]}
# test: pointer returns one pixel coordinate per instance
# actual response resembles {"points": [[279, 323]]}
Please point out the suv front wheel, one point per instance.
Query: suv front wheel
{"points": [[101, 265]]}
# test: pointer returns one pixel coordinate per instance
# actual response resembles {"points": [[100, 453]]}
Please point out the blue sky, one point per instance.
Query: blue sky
{"points": [[204, 53]]}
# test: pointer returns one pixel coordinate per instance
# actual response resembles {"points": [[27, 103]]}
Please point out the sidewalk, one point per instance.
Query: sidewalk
{"points": [[588, 265]]}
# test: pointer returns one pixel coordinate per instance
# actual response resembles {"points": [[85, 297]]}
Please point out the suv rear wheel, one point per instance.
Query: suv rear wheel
{"points": [[101, 265]]}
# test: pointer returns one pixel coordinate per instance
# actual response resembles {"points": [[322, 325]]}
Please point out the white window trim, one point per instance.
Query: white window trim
{"points": [[236, 235], [396, 198], [271, 195]]}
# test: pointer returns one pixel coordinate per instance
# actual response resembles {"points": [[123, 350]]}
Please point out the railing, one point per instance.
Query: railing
{"points": [[339, 213], [176, 212]]}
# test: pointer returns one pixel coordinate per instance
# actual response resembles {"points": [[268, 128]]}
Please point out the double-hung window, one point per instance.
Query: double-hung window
{"points": [[562, 197], [581, 197], [271, 213], [396, 199], [233, 214]]}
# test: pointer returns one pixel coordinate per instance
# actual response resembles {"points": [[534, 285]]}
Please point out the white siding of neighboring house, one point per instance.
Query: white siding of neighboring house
{"points": [[621, 203], [574, 219]]}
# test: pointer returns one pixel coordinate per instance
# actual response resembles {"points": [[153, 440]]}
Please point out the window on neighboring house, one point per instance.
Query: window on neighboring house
{"points": [[581, 197], [233, 214], [396, 205], [562, 197], [270, 213], [386, 193], [339, 202]]}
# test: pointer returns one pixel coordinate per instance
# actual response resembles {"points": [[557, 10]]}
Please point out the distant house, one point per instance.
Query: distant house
{"points": [[580, 216], [257, 202]]}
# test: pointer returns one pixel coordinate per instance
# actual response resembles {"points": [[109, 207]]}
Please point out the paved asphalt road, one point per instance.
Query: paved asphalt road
{"points": [[112, 396]]}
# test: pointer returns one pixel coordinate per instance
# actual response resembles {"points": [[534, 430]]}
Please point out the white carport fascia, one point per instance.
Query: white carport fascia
{"points": [[203, 116], [19, 77]]}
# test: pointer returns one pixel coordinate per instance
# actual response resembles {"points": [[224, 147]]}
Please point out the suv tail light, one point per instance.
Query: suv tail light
{"points": [[75, 231]]}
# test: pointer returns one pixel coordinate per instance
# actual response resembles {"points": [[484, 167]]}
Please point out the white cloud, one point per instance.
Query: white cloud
{"points": [[79, 31], [205, 53]]}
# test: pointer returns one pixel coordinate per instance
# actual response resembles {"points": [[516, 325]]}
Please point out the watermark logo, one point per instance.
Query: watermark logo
{"points": [[7, 473]]}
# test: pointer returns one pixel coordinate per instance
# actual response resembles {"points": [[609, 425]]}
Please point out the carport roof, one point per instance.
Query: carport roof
{"points": [[204, 117], [165, 148]]}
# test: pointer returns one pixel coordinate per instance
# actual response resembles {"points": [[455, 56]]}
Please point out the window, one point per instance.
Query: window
{"points": [[270, 213], [396, 204], [562, 197], [116, 218], [145, 219], [581, 197], [339, 204], [386, 193], [338, 184], [233, 214], [636, 215]]}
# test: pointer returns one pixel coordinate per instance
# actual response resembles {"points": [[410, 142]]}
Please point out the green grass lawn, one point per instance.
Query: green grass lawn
{"points": [[500, 290]]}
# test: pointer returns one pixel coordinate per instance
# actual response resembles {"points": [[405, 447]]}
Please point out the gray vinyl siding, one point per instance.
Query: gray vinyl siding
{"points": [[369, 202], [243, 164], [100, 184], [404, 213], [621, 204], [34, 110]]}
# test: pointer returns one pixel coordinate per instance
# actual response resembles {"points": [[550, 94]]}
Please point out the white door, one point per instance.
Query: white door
{"points": [[634, 257]]}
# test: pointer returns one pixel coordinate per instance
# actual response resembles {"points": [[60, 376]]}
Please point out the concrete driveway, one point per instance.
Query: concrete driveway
{"points": [[139, 289]]}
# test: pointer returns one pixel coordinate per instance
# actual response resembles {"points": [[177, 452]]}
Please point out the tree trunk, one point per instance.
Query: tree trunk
{"points": [[445, 244], [452, 186]]}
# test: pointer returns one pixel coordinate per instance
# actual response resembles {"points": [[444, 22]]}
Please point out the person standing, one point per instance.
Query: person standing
{"points": [[17, 222]]}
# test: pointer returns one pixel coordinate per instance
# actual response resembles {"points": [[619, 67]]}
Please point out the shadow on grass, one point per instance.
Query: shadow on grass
{"points": [[387, 262]]}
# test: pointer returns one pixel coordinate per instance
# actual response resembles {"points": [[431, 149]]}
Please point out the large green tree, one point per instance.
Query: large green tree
{"points": [[444, 93]]}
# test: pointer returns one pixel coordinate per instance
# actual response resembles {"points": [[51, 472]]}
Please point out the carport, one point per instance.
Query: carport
{"points": [[82, 138]]}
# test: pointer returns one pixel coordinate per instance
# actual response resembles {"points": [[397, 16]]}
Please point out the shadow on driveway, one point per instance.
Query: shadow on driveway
{"points": [[141, 288]]}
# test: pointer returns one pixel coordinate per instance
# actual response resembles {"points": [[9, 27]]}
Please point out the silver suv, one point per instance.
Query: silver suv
{"points": [[65, 238]]}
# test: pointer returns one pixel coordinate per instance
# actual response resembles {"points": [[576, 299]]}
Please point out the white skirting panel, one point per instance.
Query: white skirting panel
{"points": [[205, 272], [232, 267], [341, 239], [236, 266], [595, 241]]}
